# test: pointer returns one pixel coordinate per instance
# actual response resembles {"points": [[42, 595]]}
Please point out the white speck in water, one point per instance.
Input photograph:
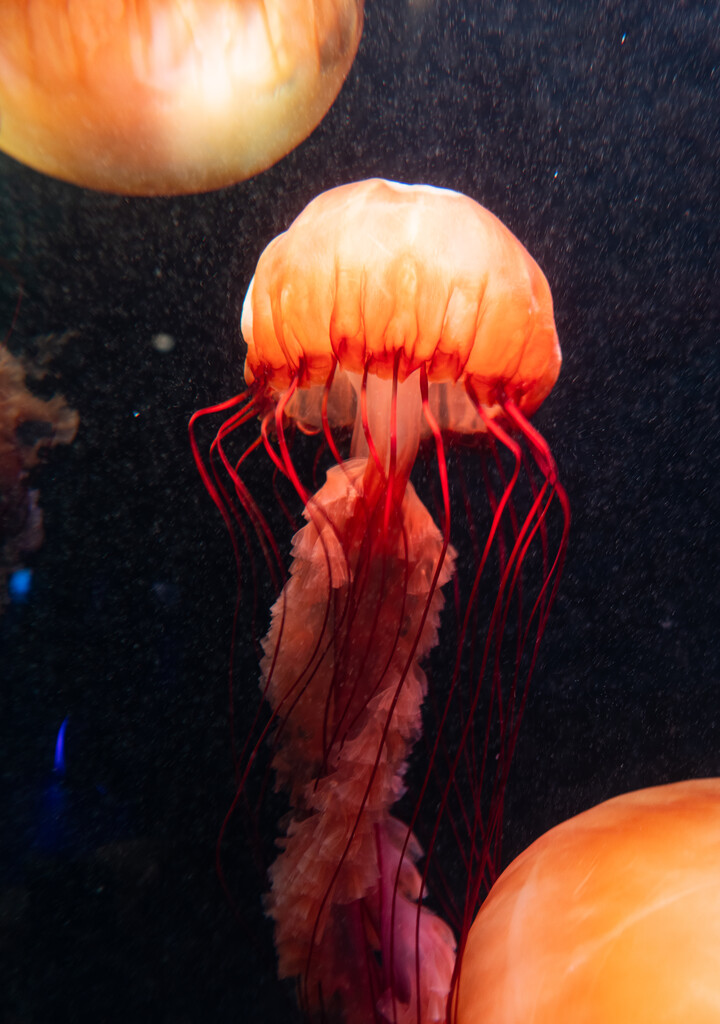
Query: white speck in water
{"points": [[163, 342]]}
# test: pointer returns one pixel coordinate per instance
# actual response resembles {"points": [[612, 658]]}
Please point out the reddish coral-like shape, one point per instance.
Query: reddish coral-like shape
{"points": [[28, 424]]}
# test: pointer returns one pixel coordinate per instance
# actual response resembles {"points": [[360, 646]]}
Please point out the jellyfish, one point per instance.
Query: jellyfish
{"points": [[158, 97], [611, 917], [393, 331]]}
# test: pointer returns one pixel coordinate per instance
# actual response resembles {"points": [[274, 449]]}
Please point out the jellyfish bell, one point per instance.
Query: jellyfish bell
{"points": [[611, 917], [395, 279], [397, 338], [421, 273], [158, 97]]}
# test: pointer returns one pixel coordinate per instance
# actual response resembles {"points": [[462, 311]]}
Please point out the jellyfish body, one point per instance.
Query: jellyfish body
{"points": [[387, 322], [159, 97], [611, 917]]}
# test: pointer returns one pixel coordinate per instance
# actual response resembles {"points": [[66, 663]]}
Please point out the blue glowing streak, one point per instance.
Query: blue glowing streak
{"points": [[19, 584], [59, 762]]}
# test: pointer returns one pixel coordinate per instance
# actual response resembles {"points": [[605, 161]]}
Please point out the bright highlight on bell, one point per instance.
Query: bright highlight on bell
{"points": [[159, 97]]}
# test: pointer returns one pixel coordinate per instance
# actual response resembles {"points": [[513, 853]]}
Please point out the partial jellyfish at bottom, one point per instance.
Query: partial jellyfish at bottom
{"points": [[398, 337], [612, 917]]}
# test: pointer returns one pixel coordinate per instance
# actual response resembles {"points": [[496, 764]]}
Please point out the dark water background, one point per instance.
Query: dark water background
{"points": [[592, 131]]}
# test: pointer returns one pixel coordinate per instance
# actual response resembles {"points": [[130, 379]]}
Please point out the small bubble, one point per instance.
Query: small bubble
{"points": [[163, 342]]}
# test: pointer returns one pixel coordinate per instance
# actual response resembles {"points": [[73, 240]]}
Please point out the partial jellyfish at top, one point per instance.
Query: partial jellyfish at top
{"points": [[398, 338], [612, 917], [157, 97]]}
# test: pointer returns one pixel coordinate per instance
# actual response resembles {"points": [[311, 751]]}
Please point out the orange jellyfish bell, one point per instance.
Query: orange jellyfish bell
{"points": [[397, 337], [158, 97], [379, 271], [613, 917]]}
